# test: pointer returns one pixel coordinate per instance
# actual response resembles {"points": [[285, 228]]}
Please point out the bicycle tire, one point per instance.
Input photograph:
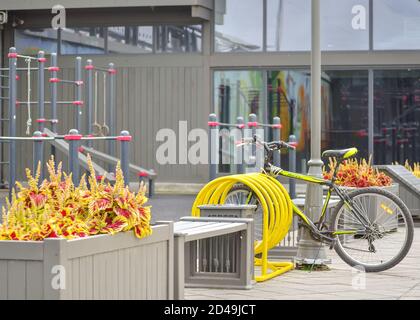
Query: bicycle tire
{"points": [[409, 238]]}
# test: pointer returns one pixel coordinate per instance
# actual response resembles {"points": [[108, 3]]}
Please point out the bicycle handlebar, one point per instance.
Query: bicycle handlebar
{"points": [[268, 146]]}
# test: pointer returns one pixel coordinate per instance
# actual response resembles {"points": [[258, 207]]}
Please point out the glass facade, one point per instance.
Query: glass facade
{"points": [[112, 40], [286, 94], [396, 115], [236, 93], [343, 27], [238, 25], [288, 25], [171, 38], [345, 110], [396, 24], [137, 39]]}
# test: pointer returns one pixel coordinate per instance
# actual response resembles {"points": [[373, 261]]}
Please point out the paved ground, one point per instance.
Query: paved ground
{"points": [[341, 282]]}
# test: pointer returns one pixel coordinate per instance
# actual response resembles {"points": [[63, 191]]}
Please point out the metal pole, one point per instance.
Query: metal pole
{"points": [[277, 137], [38, 154], [213, 146], [252, 123], [240, 151], [111, 108], [89, 99], [53, 86], [12, 118], [292, 167], [370, 113], [303, 166], [125, 139], [78, 78], [41, 91], [311, 251], [73, 139]]}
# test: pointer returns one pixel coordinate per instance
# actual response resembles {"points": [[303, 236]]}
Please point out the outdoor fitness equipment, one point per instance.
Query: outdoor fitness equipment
{"points": [[370, 227], [273, 130], [109, 109]]}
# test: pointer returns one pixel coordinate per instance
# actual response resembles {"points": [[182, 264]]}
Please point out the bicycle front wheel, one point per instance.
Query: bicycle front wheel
{"points": [[377, 238]]}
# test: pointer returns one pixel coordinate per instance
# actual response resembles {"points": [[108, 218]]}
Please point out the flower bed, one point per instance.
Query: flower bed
{"points": [[58, 209], [92, 241]]}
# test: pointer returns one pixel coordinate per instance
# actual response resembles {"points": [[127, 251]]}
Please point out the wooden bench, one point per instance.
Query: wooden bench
{"points": [[213, 253]]}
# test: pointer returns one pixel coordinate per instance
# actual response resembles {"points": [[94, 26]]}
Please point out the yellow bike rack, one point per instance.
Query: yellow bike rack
{"points": [[277, 214]]}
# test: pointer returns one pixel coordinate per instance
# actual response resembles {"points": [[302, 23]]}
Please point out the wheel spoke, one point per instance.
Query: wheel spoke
{"points": [[383, 240]]}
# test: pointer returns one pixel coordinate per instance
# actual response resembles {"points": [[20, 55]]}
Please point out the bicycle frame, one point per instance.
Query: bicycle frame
{"points": [[276, 171]]}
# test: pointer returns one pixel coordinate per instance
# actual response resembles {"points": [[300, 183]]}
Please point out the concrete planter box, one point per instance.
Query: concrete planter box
{"points": [[118, 266], [393, 188]]}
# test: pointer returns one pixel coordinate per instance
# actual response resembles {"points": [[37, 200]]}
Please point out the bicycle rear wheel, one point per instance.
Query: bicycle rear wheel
{"points": [[381, 238], [242, 194]]}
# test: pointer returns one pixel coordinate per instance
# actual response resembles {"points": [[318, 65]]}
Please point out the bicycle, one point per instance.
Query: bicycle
{"points": [[369, 228]]}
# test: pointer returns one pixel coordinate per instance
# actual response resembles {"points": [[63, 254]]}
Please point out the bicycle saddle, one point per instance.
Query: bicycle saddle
{"points": [[342, 153]]}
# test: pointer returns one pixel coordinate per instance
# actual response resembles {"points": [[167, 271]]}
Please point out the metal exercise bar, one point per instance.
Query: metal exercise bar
{"points": [[253, 124], [38, 156], [213, 145], [20, 68], [89, 98], [78, 77], [111, 106], [75, 102], [41, 90], [292, 166], [12, 119], [53, 88], [240, 125], [74, 138], [9, 139], [276, 137]]}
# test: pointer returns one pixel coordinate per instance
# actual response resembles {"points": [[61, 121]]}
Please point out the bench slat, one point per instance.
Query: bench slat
{"points": [[192, 225], [213, 232], [209, 225]]}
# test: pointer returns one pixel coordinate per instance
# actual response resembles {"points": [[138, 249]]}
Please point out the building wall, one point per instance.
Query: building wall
{"points": [[152, 93]]}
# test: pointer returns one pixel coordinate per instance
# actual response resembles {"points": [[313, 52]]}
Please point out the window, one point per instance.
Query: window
{"points": [[172, 38], [396, 24], [138, 39], [343, 27], [83, 40], [238, 25], [286, 94], [30, 41], [288, 97], [236, 93], [288, 25], [396, 115], [113, 40], [345, 110]]}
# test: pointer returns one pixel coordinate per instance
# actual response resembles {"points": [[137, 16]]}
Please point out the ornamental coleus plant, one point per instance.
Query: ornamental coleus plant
{"points": [[356, 173], [56, 208]]}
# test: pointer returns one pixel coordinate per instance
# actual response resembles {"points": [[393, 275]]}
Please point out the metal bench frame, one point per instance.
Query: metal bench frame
{"points": [[192, 229]]}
